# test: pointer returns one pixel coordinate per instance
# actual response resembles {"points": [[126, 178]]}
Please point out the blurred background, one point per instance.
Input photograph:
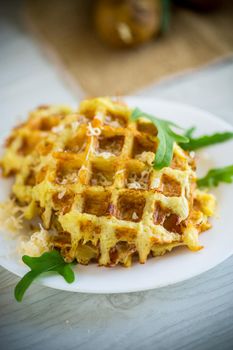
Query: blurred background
{"points": [[61, 51], [119, 46]]}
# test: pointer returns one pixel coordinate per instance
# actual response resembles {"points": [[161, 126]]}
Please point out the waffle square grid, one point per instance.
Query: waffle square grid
{"points": [[89, 175]]}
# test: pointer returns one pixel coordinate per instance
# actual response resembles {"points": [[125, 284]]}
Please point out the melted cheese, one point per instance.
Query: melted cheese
{"points": [[207, 202]]}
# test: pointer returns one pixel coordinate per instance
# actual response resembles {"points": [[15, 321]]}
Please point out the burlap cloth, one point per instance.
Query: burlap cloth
{"points": [[65, 30]]}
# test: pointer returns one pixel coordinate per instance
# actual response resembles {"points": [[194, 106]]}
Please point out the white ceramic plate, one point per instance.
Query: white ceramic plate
{"points": [[176, 266]]}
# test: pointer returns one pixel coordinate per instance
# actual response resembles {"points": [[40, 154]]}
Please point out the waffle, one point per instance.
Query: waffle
{"points": [[88, 175]]}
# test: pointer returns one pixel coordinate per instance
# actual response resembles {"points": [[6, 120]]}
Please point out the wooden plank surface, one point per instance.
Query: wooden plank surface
{"points": [[196, 314]]}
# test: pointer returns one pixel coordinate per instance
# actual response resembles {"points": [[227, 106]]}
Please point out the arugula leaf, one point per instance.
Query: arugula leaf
{"points": [[205, 140], [189, 132], [166, 137], [215, 176], [51, 261]]}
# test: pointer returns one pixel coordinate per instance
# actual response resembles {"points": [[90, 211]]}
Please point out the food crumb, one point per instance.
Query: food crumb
{"points": [[134, 216]]}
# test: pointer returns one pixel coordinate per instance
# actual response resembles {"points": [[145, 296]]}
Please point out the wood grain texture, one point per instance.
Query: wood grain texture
{"points": [[196, 314], [190, 315]]}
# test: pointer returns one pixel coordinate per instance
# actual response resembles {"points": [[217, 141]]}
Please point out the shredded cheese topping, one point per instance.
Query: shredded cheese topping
{"points": [[38, 243], [11, 216], [58, 129], [192, 154], [134, 216], [72, 178], [99, 116], [75, 125], [138, 181], [61, 194], [101, 180], [91, 131], [146, 157], [120, 171], [155, 183], [105, 155], [113, 123]]}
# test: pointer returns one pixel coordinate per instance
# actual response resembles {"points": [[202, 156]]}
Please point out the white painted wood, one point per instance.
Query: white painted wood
{"points": [[197, 314]]}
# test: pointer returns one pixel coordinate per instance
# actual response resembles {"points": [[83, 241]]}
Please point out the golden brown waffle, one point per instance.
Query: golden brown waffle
{"points": [[88, 174]]}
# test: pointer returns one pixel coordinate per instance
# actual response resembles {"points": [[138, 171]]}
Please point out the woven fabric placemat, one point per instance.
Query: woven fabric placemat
{"points": [[66, 32]]}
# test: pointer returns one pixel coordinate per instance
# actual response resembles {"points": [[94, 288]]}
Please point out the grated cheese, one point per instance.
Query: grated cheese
{"points": [[83, 119], [72, 177], [105, 155], [61, 194], [68, 178], [113, 123], [75, 125], [38, 243], [136, 181], [192, 154], [155, 183], [145, 175], [99, 116], [93, 131], [101, 180], [134, 185], [146, 157], [58, 129], [11, 216], [120, 171], [63, 182]]}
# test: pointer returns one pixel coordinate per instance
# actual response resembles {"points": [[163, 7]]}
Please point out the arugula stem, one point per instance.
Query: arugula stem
{"points": [[24, 284]]}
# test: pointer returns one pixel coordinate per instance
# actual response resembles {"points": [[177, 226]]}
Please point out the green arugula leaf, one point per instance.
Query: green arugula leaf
{"points": [[166, 137], [205, 140], [215, 176], [189, 132], [51, 261]]}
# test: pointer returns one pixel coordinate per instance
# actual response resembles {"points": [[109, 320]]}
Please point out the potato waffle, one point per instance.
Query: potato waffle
{"points": [[88, 175]]}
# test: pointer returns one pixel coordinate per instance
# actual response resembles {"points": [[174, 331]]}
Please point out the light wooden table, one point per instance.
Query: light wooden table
{"points": [[196, 314]]}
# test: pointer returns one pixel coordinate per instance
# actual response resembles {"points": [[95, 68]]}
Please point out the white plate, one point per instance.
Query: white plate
{"points": [[176, 266]]}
